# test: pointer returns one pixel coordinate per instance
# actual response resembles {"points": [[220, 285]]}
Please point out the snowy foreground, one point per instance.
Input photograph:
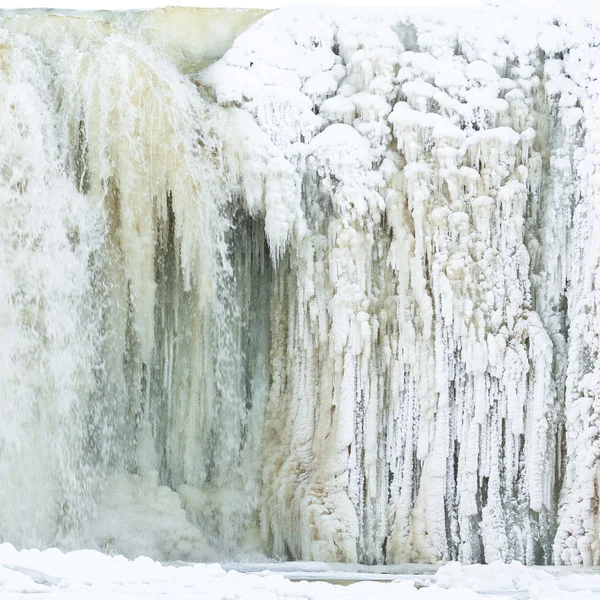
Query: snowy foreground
{"points": [[90, 574]]}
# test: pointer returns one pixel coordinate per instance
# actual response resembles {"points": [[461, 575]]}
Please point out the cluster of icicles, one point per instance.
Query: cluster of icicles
{"points": [[332, 298]]}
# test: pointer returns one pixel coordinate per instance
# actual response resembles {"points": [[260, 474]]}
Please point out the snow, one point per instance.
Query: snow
{"points": [[88, 574]]}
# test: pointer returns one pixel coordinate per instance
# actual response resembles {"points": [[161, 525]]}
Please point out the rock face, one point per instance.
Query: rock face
{"points": [[337, 292]]}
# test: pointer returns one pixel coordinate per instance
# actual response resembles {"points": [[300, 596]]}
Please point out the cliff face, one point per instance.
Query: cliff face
{"points": [[336, 294]]}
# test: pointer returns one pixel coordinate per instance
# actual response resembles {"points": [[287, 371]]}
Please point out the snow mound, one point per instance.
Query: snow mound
{"points": [[526, 582], [495, 576]]}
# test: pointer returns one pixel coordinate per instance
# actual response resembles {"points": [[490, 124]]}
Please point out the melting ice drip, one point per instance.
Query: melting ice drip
{"points": [[331, 298]]}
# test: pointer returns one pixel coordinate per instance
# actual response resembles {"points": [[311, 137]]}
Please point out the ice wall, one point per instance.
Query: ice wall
{"points": [[331, 298], [423, 402]]}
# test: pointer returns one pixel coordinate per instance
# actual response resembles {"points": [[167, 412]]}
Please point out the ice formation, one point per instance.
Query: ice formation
{"points": [[332, 297]]}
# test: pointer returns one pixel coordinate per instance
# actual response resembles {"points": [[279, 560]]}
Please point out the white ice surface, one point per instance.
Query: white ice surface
{"points": [[87, 574]]}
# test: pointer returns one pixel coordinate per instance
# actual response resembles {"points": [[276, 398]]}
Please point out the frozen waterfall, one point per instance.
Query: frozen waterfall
{"points": [[316, 284]]}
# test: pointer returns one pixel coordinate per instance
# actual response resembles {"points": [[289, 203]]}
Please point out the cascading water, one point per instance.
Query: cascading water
{"points": [[331, 297]]}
